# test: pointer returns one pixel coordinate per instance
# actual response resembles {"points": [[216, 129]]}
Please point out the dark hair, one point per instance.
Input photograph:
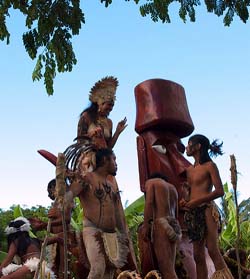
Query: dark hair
{"points": [[215, 147], [52, 184], [21, 239], [92, 110], [158, 175], [101, 154]]}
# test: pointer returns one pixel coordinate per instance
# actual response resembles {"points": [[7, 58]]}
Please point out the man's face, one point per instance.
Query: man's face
{"points": [[111, 165], [191, 148], [51, 193]]}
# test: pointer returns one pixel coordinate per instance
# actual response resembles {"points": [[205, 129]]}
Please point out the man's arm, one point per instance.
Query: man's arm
{"points": [[77, 186], [148, 210], [56, 217], [120, 128], [216, 193], [119, 212]]}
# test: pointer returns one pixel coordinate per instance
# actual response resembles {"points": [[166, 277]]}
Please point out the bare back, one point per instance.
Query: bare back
{"points": [[32, 251], [164, 197]]}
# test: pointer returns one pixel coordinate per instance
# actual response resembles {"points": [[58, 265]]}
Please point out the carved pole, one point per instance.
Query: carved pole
{"points": [[60, 193], [43, 250], [234, 178]]}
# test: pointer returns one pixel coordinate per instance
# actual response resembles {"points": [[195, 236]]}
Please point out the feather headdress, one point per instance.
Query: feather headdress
{"points": [[104, 90], [13, 227]]}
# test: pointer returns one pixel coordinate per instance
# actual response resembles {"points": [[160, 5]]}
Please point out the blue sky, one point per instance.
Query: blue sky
{"points": [[209, 60]]}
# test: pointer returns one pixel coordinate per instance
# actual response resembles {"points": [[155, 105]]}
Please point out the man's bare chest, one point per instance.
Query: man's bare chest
{"points": [[197, 175]]}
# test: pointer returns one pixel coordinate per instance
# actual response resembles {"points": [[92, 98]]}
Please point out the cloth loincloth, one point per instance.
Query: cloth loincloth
{"points": [[195, 220], [170, 225], [222, 274], [32, 265], [113, 245]]}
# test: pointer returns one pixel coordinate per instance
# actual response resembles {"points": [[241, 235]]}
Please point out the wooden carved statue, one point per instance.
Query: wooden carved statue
{"points": [[162, 119]]}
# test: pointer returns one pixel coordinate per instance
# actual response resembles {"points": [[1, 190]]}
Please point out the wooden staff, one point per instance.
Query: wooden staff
{"points": [[234, 178], [43, 250], [60, 193]]}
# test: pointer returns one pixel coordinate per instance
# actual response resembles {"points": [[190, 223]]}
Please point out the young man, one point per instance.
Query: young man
{"points": [[55, 216], [104, 231], [202, 217], [160, 224]]}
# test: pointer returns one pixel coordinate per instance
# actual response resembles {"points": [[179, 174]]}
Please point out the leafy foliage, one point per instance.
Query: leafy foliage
{"points": [[229, 232], [77, 216], [2, 256], [134, 215], [159, 9], [51, 24]]}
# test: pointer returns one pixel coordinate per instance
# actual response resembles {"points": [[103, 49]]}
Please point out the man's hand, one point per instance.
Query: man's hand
{"points": [[192, 204], [53, 213], [187, 205], [37, 224]]}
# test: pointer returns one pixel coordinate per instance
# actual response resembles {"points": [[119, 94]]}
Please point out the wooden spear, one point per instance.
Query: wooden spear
{"points": [[60, 193], [234, 178]]}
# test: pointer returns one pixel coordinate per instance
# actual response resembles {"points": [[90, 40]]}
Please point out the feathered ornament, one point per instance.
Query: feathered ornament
{"points": [[23, 228], [104, 90]]}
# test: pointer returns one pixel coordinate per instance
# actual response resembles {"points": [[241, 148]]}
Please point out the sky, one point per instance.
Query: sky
{"points": [[209, 60]]}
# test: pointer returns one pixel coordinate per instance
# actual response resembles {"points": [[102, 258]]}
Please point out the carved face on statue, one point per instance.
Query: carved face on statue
{"points": [[162, 119]]}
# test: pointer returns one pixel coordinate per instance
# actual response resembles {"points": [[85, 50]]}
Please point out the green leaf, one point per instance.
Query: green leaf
{"points": [[17, 212], [136, 207], [3, 255]]}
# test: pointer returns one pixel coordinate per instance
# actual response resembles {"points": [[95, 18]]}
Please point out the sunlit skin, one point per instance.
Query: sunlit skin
{"points": [[103, 212], [201, 179], [205, 186], [161, 201], [110, 205], [54, 214], [56, 225]]}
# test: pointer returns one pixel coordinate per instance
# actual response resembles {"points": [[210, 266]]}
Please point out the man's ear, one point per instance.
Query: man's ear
{"points": [[198, 146], [105, 160]]}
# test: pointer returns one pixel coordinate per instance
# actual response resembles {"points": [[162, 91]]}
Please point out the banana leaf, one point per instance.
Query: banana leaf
{"points": [[17, 212]]}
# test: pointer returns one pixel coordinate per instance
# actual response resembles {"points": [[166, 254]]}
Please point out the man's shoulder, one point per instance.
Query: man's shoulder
{"points": [[158, 181], [209, 164]]}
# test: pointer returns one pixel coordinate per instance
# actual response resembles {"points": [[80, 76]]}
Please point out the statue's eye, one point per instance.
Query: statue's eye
{"points": [[159, 148]]}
